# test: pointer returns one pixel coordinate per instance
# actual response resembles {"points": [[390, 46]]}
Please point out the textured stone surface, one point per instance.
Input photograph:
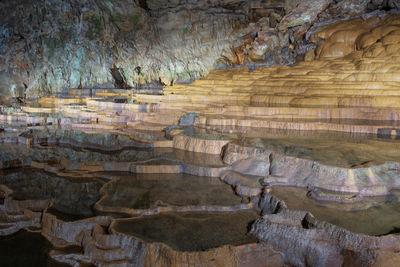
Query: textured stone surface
{"points": [[374, 37], [310, 163], [309, 242], [127, 250], [50, 46], [19, 214], [372, 216], [200, 144]]}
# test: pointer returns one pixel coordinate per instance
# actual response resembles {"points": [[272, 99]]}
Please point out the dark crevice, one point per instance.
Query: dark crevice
{"points": [[394, 231], [308, 221], [119, 78], [143, 4]]}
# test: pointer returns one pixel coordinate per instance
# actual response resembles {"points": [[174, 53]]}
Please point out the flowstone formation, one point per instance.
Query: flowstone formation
{"points": [[280, 166]]}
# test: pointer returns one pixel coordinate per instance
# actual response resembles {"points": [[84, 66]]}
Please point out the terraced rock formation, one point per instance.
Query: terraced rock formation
{"points": [[353, 90], [283, 166], [156, 187]]}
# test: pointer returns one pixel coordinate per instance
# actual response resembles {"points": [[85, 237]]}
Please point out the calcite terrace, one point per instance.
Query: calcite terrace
{"points": [[280, 166]]}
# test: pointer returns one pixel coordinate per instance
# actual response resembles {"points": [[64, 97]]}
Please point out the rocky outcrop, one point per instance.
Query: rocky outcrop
{"points": [[62, 234], [295, 165], [372, 37], [208, 145], [19, 214], [309, 242], [50, 46]]}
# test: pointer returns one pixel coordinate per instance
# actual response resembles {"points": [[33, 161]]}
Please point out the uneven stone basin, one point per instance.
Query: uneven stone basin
{"points": [[359, 165], [333, 149], [65, 156], [191, 231], [135, 193], [372, 216]]}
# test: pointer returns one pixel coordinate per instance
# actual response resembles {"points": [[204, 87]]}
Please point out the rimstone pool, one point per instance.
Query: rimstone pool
{"points": [[181, 201]]}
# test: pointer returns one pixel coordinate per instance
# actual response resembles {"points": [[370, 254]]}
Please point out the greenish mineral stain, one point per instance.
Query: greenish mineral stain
{"points": [[135, 19]]}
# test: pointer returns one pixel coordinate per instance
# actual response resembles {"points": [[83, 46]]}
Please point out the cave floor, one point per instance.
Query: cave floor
{"points": [[292, 164], [91, 175]]}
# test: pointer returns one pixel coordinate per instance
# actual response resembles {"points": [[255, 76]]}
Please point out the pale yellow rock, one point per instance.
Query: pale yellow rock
{"points": [[200, 145], [155, 168], [309, 56]]}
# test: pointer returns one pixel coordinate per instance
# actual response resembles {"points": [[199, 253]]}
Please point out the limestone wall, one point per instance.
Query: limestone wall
{"points": [[48, 46]]}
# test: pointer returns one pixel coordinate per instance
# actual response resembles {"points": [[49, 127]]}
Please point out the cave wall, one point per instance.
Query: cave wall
{"points": [[47, 46]]}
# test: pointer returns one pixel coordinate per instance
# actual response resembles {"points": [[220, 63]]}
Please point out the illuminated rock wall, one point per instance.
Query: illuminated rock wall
{"points": [[48, 46], [373, 37]]}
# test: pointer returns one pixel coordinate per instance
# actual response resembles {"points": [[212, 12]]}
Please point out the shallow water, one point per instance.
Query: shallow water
{"points": [[192, 231], [70, 196], [372, 216], [144, 191], [26, 249], [126, 192]]}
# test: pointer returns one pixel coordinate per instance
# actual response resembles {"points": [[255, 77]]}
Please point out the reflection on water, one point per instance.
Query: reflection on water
{"points": [[70, 196], [192, 231], [26, 249], [75, 192], [144, 191]]}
